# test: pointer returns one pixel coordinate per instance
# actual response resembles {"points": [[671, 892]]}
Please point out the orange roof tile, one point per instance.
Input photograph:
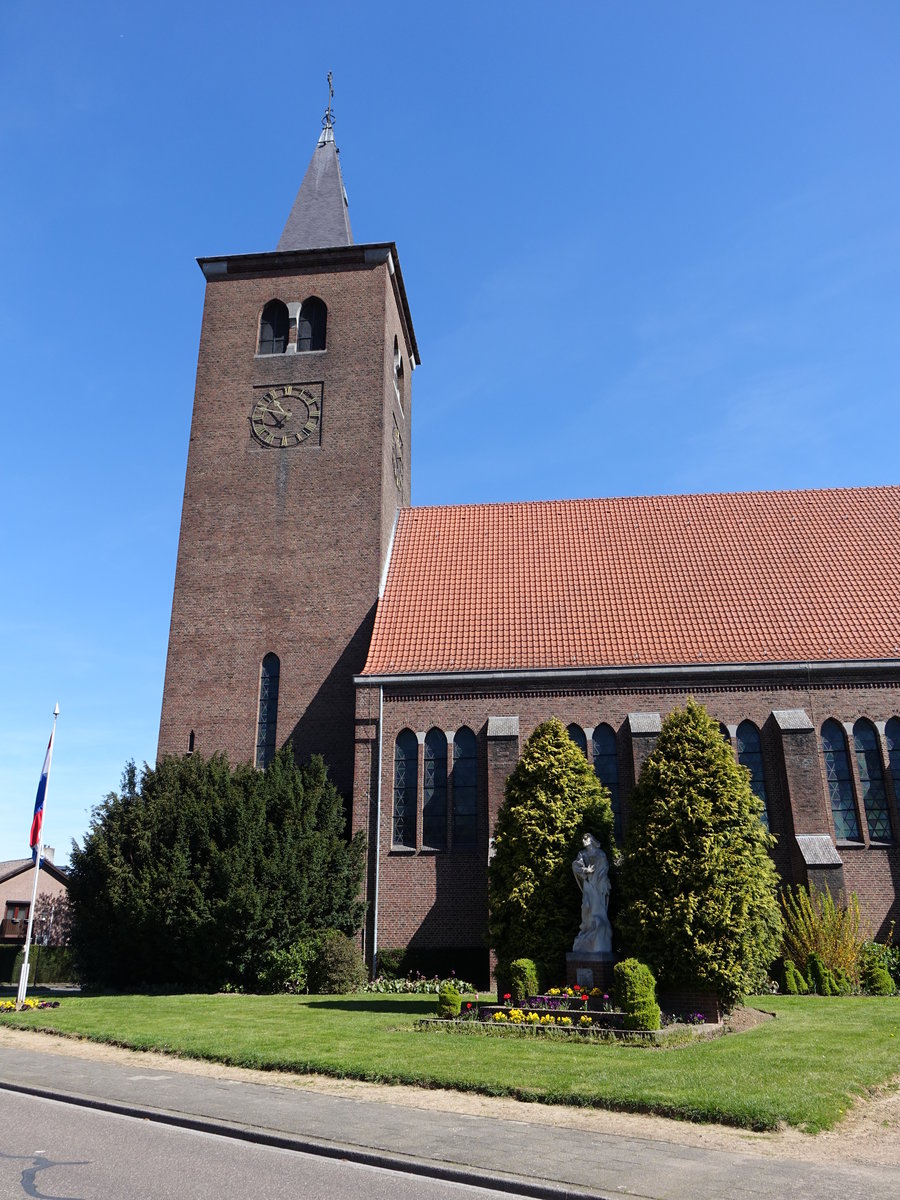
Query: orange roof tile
{"points": [[650, 580]]}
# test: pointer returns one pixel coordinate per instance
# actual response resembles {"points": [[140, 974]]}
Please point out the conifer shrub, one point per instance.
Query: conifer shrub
{"points": [[820, 978], [698, 885], [552, 799], [634, 989], [523, 979], [794, 983], [449, 1002], [337, 965], [195, 871]]}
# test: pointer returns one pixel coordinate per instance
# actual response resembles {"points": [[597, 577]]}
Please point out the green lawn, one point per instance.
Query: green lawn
{"points": [[805, 1068]]}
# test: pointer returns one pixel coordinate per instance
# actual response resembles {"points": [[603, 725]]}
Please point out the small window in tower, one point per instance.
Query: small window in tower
{"points": [[311, 324], [273, 328], [268, 710], [191, 742], [398, 369]]}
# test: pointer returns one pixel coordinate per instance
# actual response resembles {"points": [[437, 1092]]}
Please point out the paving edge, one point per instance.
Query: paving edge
{"points": [[325, 1149]]}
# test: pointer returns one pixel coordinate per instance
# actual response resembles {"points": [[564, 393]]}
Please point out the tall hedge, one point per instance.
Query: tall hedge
{"points": [[192, 874], [698, 885], [552, 798]]}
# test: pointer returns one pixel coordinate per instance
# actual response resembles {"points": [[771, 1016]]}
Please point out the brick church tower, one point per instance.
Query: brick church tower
{"points": [[299, 460]]}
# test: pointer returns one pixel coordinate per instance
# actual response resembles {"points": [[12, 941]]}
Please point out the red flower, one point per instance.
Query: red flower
{"points": [[469, 1004], [507, 995]]}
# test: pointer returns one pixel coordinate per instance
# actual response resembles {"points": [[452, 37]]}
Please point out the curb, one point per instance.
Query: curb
{"points": [[324, 1149]]}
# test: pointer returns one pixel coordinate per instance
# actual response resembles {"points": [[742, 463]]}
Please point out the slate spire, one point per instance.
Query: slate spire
{"points": [[320, 216]]}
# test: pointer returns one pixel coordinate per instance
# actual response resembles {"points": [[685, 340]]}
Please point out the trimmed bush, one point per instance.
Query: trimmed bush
{"points": [[46, 964], [337, 966], [8, 968], [635, 992], [449, 1002], [523, 979], [876, 981]]}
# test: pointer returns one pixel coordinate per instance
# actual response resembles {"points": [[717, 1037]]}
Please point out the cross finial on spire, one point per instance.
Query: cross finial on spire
{"points": [[328, 119]]}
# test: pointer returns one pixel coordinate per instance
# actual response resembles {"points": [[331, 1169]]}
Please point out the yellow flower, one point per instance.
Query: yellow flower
{"points": [[585, 1021], [553, 991], [500, 1016], [565, 1020]]}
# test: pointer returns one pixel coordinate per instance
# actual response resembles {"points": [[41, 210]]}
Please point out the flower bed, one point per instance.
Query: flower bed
{"points": [[7, 1006]]}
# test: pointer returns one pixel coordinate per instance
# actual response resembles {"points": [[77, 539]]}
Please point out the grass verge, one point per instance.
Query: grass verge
{"points": [[804, 1068]]}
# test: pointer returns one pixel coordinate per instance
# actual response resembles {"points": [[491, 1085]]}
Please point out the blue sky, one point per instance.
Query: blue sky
{"points": [[649, 247]]}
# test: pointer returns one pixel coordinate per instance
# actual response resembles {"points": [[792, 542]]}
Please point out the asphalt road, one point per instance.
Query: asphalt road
{"points": [[55, 1151]]}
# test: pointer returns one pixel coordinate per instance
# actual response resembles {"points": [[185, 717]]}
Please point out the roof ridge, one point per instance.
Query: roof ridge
{"points": [[886, 489]]}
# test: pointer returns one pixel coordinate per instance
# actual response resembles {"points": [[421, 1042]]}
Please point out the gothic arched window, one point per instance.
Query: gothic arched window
{"points": [[749, 753], [840, 788], [465, 788], [406, 772], [273, 328], [268, 710], [892, 737], [871, 776], [434, 803], [577, 734], [606, 768], [311, 324]]}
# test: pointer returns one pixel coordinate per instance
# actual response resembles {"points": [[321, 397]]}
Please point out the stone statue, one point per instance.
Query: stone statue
{"points": [[591, 869]]}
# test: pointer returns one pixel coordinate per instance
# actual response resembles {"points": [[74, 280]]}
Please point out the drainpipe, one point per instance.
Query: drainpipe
{"points": [[377, 832]]}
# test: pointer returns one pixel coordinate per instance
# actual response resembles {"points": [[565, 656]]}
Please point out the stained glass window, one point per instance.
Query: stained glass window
{"points": [[434, 807], [606, 768], [273, 328], [406, 770], [840, 788], [749, 753], [577, 734], [871, 777], [268, 710], [465, 788], [311, 324]]}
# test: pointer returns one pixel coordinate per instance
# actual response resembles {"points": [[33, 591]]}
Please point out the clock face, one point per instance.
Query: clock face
{"points": [[286, 416]]}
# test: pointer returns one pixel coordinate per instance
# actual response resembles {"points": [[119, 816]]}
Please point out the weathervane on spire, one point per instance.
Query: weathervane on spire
{"points": [[328, 119]]}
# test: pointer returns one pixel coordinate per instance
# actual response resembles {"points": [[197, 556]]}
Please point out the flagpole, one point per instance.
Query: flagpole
{"points": [[23, 977]]}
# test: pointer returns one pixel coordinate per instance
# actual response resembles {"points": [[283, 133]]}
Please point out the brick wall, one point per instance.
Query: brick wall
{"points": [[281, 550], [427, 896]]}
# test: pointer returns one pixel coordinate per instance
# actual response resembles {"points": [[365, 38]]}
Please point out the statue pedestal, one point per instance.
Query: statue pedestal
{"points": [[590, 970]]}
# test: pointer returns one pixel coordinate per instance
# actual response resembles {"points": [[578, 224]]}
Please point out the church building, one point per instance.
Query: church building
{"points": [[416, 649]]}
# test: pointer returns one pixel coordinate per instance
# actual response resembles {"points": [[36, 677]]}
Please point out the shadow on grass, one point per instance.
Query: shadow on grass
{"points": [[427, 1004]]}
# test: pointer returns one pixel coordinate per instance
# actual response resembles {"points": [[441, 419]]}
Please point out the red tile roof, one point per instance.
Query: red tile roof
{"points": [[651, 580]]}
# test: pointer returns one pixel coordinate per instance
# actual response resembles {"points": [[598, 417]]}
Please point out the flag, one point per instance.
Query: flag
{"points": [[38, 818]]}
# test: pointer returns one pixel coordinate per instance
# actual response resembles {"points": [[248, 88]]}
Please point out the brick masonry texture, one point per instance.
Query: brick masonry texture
{"points": [[281, 550], [428, 898]]}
